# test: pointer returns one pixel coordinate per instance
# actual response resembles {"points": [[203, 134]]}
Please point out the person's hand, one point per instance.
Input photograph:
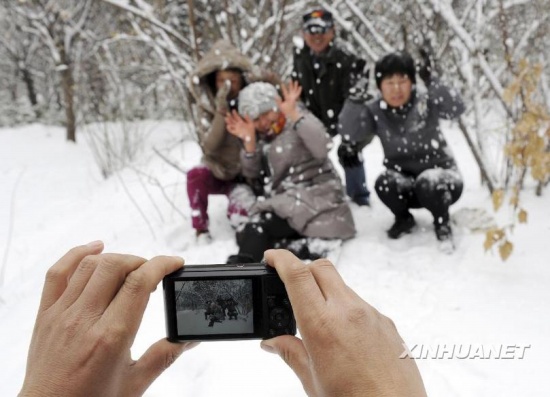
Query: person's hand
{"points": [[291, 96], [425, 65], [359, 92], [348, 154], [348, 348], [242, 128], [221, 97], [89, 314]]}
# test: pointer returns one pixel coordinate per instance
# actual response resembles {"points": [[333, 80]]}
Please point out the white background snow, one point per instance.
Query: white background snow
{"points": [[53, 197]]}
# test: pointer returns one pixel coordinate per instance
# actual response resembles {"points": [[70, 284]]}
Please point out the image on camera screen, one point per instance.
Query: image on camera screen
{"points": [[214, 307]]}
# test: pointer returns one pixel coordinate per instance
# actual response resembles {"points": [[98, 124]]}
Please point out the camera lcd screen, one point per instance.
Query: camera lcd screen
{"points": [[214, 307]]}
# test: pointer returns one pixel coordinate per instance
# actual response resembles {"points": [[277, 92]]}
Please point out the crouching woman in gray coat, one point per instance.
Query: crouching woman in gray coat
{"points": [[287, 147]]}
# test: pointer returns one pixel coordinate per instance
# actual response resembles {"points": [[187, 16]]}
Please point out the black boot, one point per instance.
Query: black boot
{"points": [[402, 225], [444, 235], [443, 231]]}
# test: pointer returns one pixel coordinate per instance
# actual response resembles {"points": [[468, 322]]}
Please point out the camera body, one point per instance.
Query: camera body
{"points": [[226, 302]]}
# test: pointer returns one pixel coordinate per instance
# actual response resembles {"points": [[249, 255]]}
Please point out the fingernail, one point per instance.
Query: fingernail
{"points": [[267, 347], [179, 259], [95, 244]]}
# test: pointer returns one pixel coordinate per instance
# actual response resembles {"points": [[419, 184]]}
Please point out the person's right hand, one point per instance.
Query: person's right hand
{"points": [[221, 97], [349, 155], [242, 128], [348, 348]]}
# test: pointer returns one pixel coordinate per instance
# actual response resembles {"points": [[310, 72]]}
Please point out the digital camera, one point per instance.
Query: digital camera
{"points": [[226, 302]]}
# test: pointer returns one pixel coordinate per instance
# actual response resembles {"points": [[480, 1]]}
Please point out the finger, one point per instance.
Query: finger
{"points": [[329, 280], [57, 277], [291, 349], [129, 304], [159, 357], [305, 296], [237, 117], [106, 280], [78, 280]]}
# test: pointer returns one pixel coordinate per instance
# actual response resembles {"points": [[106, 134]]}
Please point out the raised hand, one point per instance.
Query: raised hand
{"points": [[291, 96], [221, 97], [425, 67], [242, 128]]}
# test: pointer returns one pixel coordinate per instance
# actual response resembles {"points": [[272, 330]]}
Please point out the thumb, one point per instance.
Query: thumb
{"points": [[153, 362], [291, 349]]}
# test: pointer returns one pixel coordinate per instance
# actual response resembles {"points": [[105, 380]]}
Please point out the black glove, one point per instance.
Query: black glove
{"points": [[348, 155], [359, 92], [424, 67]]}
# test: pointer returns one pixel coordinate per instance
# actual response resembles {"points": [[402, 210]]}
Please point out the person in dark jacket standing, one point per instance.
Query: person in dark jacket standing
{"points": [[326, 74], [420, 169]]}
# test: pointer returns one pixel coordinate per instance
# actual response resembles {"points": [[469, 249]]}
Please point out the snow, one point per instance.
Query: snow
{"points": [[53, 197]]}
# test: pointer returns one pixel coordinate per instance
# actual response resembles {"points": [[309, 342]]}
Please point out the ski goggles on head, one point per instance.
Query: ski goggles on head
{"points": [[316, 29]]}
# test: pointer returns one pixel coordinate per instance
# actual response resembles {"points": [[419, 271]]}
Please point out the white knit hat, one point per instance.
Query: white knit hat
{"points": [[256, 99]]}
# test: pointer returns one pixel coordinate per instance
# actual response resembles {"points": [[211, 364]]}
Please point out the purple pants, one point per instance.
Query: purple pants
{"points": [[201, 183]]}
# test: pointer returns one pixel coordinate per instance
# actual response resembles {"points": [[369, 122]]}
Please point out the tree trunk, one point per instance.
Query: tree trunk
{"points": [[67, 84], [29, 83], [479, 160]]}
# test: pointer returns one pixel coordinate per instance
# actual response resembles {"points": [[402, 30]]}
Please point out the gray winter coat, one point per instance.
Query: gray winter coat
{"points": [[302, 185], [411, 136]]}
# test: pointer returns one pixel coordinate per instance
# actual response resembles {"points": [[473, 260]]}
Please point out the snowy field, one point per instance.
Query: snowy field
{"points": [[53, 197], [193, 322]]}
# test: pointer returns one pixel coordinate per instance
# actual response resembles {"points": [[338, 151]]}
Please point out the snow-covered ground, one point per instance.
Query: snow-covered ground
{"points": [[53, 197]]}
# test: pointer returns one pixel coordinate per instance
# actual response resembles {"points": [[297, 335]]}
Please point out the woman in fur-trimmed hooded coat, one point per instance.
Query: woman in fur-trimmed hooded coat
{"points": [[221, 150], [304, 195], [220, 168]]}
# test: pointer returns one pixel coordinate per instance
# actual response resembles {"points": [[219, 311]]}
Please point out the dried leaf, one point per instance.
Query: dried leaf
{"points": [[522, 216], [505, 250], [498, 198], [493, 236]]}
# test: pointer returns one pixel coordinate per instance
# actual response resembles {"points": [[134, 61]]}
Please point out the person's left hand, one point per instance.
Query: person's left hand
{"points": [[89, 314], [288, 105]]}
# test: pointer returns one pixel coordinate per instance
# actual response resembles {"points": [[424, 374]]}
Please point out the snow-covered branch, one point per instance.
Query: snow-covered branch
{"points": [[150, 18]]}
